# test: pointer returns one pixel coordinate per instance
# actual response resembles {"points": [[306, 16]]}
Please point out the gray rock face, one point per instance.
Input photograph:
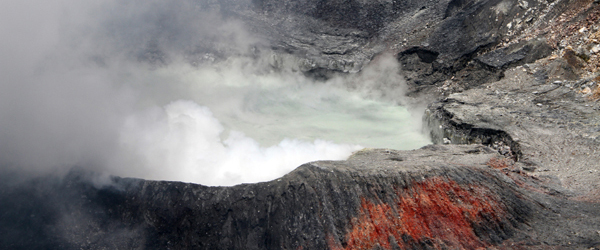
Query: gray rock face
{"points": [[328, 37], [520, 53], [545, 123], [528, 179], [366, 16], [434, 197]]}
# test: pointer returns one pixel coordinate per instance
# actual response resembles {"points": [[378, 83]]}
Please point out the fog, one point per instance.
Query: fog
{"points": [[178, 91]]}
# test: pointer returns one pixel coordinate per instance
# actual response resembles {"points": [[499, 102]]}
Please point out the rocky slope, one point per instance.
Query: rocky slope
{"points": [[515, 80], [545, 111], [437, 197]]}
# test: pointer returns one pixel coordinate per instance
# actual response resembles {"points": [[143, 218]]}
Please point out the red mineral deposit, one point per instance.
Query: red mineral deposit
{"points": [[437, 212]]}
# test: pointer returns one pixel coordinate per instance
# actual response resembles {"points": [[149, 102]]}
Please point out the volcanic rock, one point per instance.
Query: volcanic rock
{"points": [[529, 177], [435, 197]]}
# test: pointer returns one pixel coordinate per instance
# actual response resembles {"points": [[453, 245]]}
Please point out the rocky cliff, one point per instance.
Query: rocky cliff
{"points": [[515, 80]]}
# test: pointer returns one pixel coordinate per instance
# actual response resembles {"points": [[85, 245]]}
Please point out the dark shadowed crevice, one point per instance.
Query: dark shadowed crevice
{"points": [[443, 130], [426, 56]]}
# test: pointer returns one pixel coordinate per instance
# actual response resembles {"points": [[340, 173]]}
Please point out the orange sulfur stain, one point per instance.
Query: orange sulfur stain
{"points": [[437, 212]]}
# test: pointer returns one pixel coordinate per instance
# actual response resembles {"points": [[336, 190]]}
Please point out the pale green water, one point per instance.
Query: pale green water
{"points": [[322, 112], [220, 126]]}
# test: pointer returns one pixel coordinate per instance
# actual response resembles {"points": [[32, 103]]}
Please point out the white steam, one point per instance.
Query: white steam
{"points": [[175, 91], [183, 142]]}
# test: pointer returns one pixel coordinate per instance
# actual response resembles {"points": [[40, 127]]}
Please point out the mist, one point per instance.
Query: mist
{"points": [[179, 91]]}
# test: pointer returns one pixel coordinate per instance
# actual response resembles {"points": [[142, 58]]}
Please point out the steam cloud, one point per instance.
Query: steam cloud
{"points": [[176, 90]]}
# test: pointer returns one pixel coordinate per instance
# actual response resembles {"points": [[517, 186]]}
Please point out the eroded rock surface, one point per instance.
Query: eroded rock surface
{"points": [[435, 197], [529, 178], [550, 126]]}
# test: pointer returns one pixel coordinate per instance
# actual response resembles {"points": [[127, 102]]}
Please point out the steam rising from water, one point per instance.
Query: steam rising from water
{"points": [[78, 90]]}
